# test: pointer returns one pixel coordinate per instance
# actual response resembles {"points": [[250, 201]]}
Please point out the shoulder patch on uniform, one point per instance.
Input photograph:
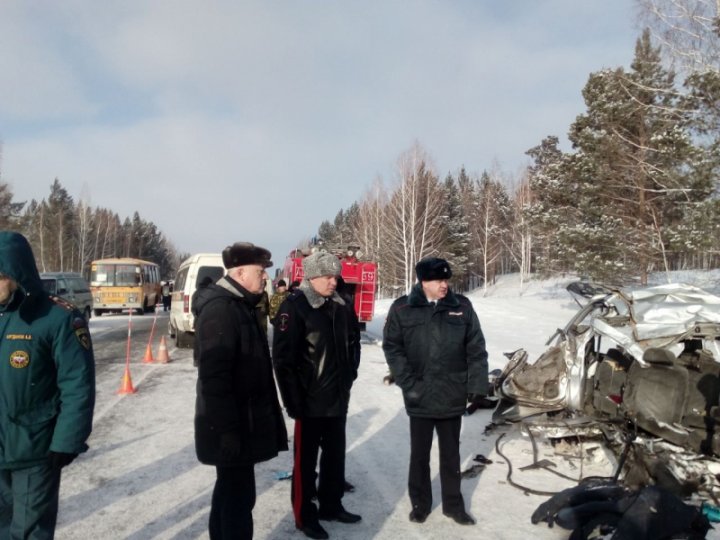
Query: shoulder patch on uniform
{"points": [[83, 336], [284, 319]]}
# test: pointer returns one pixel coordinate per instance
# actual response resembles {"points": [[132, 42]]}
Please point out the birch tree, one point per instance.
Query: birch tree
{"points": [[414, 216]]}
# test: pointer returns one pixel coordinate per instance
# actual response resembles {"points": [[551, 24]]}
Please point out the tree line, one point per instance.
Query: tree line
{"points": [[637, 193], [67, 235]]}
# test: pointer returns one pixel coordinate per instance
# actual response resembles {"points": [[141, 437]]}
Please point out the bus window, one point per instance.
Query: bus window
{"points": [[102, 274], [126, 275]]}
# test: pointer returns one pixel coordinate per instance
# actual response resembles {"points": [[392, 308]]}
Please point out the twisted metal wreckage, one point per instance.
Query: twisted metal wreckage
{"points": [[637, 370]]}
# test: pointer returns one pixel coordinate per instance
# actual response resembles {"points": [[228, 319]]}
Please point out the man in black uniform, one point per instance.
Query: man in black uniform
{"points": [[435, 349], [315, 349], [238, 420]]}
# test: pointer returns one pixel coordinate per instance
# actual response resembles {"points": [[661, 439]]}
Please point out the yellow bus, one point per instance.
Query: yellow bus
{"points": [[125, 283]]}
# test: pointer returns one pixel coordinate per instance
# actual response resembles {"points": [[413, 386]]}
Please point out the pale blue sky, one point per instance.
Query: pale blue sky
{"points": [[236, 120]]}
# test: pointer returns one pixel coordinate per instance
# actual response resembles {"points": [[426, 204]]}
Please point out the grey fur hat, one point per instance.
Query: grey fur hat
{"points": [[321, 263]]}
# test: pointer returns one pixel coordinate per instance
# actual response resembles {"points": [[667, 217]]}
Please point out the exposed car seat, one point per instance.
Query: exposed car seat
{"points": [[609, 383], [703, 394], [656, 396]]}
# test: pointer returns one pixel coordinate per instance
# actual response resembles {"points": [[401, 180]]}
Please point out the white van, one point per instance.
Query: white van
{"points": [[69, 286], [190, 274]]}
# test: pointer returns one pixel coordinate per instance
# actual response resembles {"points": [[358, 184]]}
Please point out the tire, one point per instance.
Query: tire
{"points": [[184, 340], [97, 312]]}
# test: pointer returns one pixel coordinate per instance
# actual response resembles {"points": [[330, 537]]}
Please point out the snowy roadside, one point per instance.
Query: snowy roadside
{"points": [[141, 479]]}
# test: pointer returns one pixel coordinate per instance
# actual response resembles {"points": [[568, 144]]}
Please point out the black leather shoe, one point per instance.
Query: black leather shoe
{"points": [[461, 517], [418, 516], [343, 516], [314, 530]]}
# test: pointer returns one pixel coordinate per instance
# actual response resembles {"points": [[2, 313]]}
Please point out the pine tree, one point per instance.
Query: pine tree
{"points": [[59, 229], [552, 205], [636, 169], [457, 235]]}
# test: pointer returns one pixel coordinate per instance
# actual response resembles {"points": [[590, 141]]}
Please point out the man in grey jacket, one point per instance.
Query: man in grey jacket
{"points": [[435, 349]]}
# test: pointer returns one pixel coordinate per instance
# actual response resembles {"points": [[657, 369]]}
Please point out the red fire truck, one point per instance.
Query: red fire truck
{"points": [[360, 277]]}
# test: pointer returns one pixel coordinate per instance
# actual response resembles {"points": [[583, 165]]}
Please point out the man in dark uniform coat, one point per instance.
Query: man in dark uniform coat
{"points": [[47, 393], [315, 353], [238, 419], [436, 351]]}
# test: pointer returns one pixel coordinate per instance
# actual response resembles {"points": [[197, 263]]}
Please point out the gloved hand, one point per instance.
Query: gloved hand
{"points": [[475, 401], [231, 445], [293, 412], [58, 460]]}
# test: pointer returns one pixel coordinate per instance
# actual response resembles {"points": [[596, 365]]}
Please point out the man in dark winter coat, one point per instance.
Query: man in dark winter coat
{"points": [[238, 419], [436, 351], [314, 352], [47, 393]]}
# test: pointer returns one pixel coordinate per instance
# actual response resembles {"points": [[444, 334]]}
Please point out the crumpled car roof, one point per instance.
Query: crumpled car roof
{"points": [[671, 310]]}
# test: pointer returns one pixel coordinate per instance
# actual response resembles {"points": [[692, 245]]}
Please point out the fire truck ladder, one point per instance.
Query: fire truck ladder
{"points": [[367, 297]]}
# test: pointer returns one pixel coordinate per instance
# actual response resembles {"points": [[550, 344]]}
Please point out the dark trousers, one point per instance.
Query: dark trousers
{"points": [[29, 502], [313, 435], [233, 500], [419, 486]]}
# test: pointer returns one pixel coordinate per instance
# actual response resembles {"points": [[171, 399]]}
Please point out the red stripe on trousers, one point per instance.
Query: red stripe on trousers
{"points": [[297, 476]]}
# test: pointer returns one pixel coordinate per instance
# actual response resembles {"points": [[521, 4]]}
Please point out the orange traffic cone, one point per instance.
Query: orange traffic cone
{"points": [[163, 357], [148, 358], [126, 386]]}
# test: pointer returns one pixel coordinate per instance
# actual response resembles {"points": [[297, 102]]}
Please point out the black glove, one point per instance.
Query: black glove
{"points": [[293, 411], [475, 401], [58, 460], [231, 445]]}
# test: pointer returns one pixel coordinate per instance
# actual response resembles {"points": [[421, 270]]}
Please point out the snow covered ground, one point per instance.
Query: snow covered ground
{"points": [[141, 480]]}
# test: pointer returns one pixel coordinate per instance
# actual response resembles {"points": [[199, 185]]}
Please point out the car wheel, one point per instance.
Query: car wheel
{"points": [[183, 340], [97, 312]]}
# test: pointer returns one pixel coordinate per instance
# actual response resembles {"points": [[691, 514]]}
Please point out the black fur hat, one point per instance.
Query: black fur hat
{"points": [[242, 253], [432, 268]]}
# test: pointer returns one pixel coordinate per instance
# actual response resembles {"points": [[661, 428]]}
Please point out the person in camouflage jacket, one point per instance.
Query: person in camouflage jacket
{"points": [[281, 293]]}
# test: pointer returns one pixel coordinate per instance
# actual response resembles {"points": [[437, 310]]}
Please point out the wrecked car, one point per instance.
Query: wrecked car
{"points": [[642, 366]]}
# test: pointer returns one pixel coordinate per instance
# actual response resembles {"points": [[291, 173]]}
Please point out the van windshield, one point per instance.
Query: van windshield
{"points": [[208, 274]]}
